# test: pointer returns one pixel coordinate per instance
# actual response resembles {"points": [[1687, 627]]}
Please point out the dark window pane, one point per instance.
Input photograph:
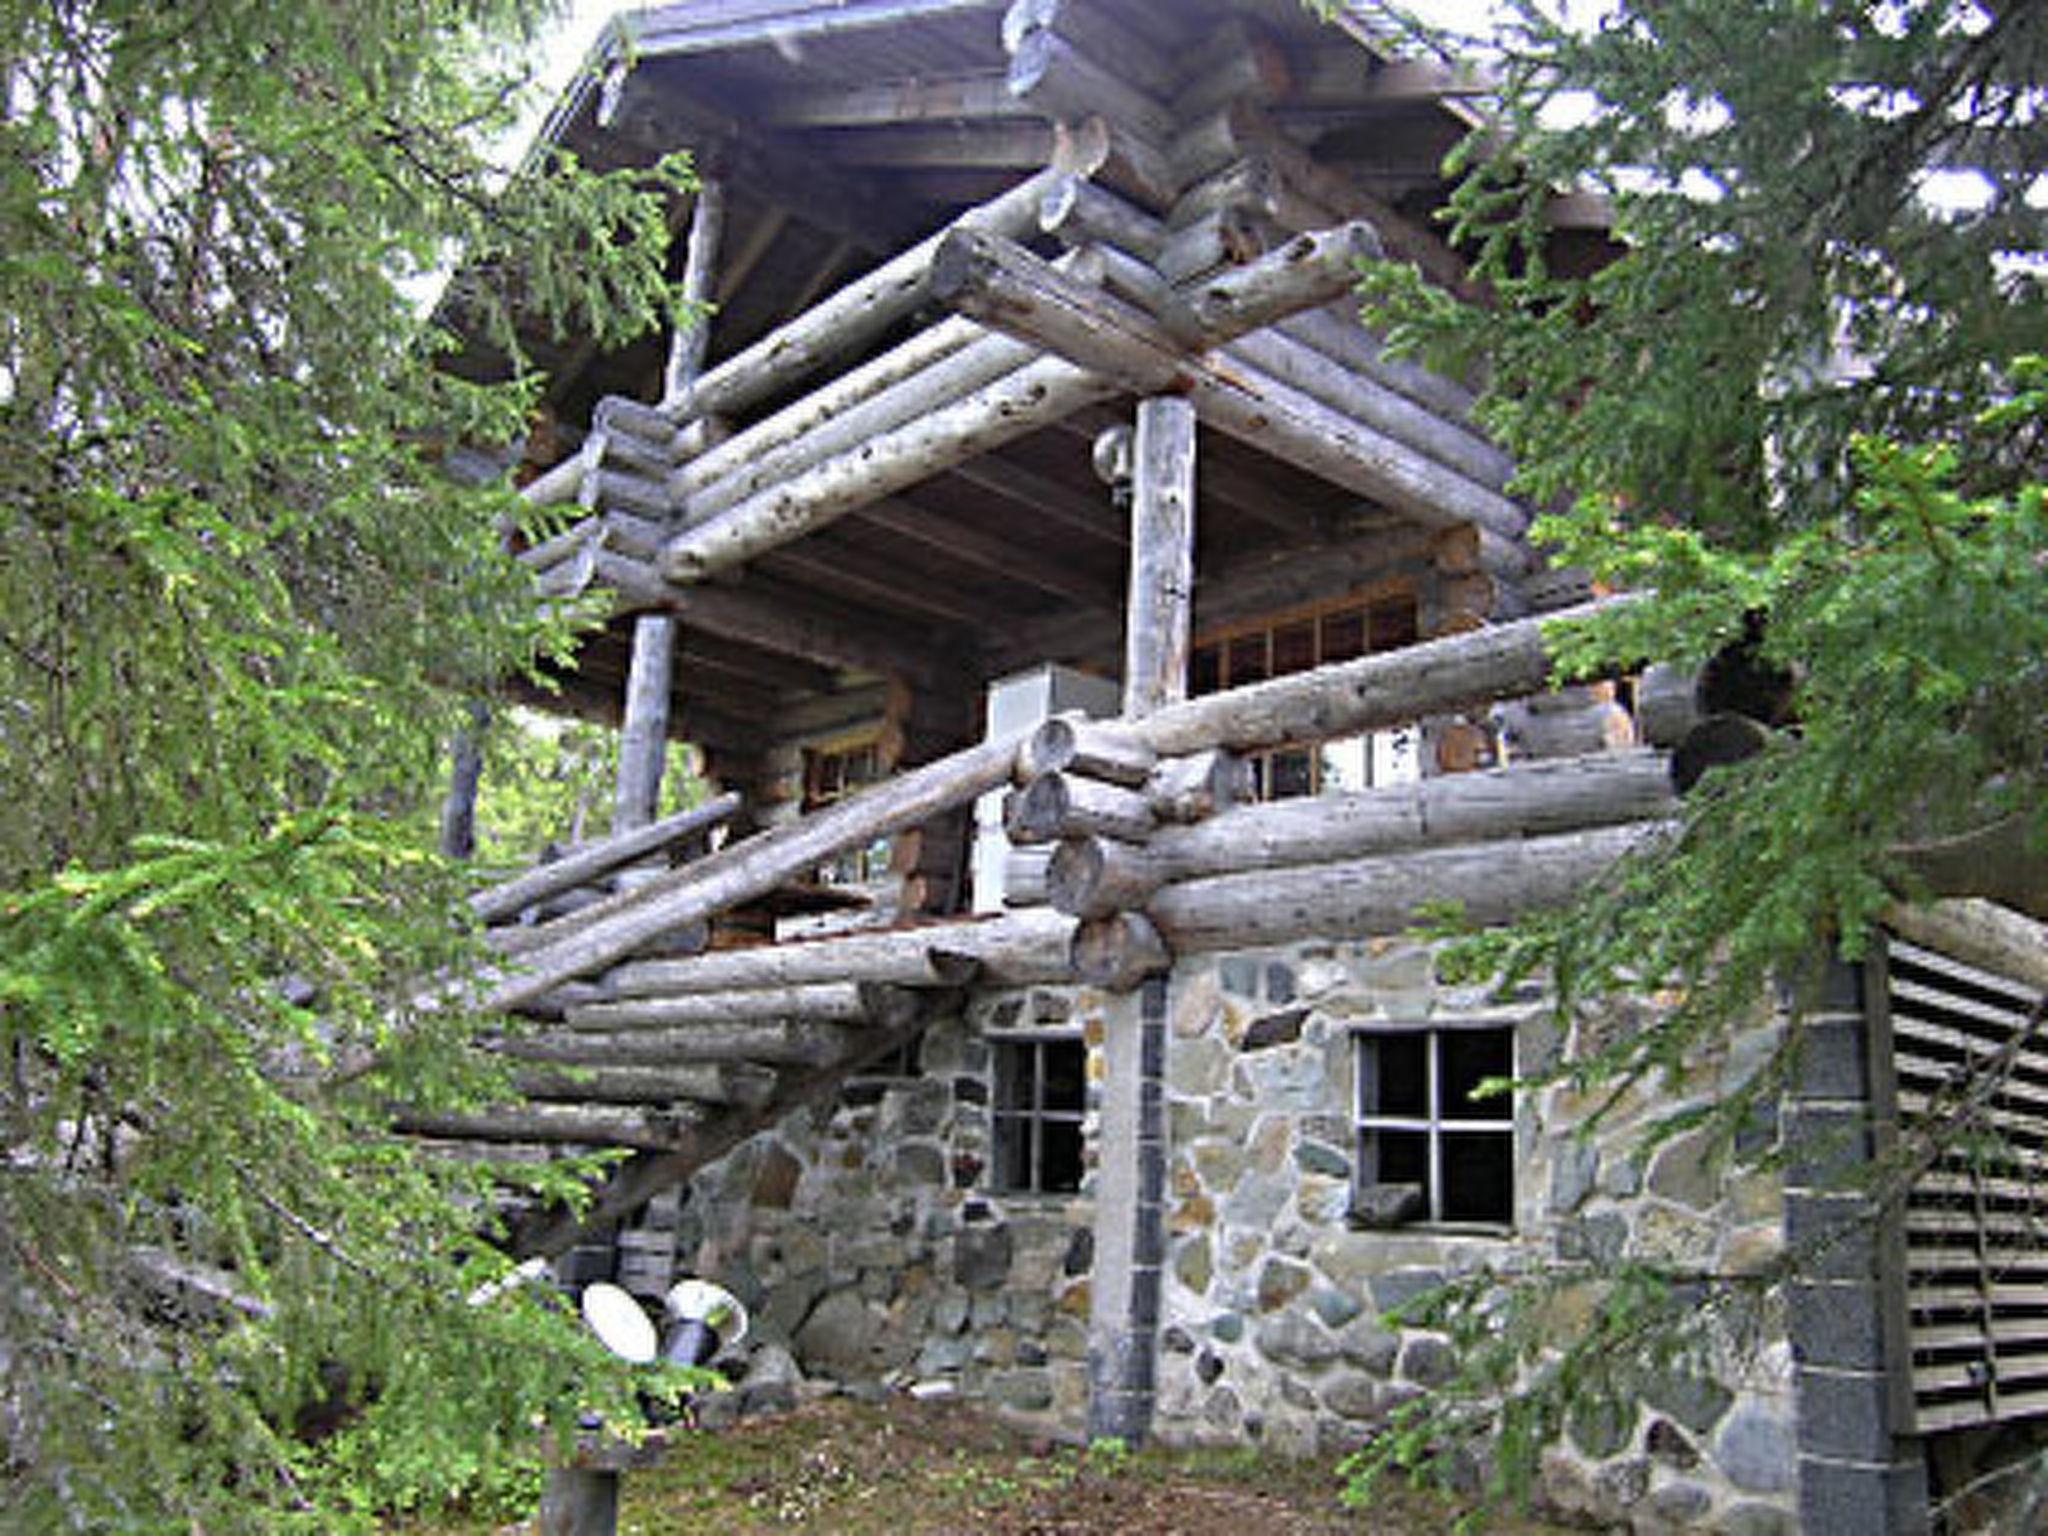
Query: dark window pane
{"points": [[1394, 1157], [1393, 1077], [1479, 1176], [1344, 634], [1065, 1065], [1470, 1057], [1059, 1166], [1294, 648], [1392, 623], [1247, 659], [1205, 670], [1013, 1152], [1016, 1074], [1293, 775]]}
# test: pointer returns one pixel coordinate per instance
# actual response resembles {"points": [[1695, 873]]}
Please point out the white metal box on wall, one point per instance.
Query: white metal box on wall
{"points": [[1006, 876]]}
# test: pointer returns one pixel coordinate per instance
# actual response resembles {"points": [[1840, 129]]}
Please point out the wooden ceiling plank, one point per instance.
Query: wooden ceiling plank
{"points": [[977, 95], [963, 541]]}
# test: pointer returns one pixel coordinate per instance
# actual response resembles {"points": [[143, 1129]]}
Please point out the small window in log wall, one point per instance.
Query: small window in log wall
{"points": [[1431, 1147], [1297, 642], [1040, 1100], [832, 773]]}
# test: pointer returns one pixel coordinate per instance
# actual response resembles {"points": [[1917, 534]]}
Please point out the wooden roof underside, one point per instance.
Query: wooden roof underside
{"points": [[846, 132]]}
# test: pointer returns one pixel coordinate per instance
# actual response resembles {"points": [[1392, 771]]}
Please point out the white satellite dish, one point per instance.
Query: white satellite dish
{"points": [[700, 1301], [617, 1320]]}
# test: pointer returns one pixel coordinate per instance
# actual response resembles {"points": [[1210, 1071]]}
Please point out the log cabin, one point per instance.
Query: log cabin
{"points": [[1103, 653]]}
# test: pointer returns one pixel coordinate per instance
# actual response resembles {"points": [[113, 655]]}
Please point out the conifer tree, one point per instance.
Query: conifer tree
{"points": [[1801, 408], [240, 603]]}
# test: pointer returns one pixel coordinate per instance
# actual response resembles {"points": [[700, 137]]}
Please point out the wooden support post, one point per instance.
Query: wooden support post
{"points": [[693, 337], [580, 1501], [643, 738], [466, 771], [1160, 620]]}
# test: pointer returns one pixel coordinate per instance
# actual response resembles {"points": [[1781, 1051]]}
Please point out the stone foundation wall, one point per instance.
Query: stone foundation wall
{"points": [[866, 1237], [1274, 1314]]}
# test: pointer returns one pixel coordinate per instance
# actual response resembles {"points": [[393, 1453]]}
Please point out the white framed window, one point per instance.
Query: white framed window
{"points": [[1430, 1148], [1295, 642], [1041, 1100]]}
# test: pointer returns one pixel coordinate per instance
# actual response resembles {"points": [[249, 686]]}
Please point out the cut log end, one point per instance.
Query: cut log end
{"points": [[1117, 953]]}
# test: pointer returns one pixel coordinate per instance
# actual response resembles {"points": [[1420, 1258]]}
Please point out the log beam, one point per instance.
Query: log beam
{"points": [[1490, 882], [852, 317], [1005, 286], [1089, 877], [1006, 410], [1371, 693], [741, 872], [581, 866]]}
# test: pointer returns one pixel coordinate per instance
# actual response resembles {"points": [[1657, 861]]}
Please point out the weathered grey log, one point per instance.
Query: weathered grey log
{"points": [[744, 871], [570, 994], [684, 1081], [1528, 734], [570, 576], [557, 484], [598, 1125], [1216, 242], [777, 1042], [1235, 63], [1403, 238], [841, 325], [1065, 83], [1371, 693], [1033, 397], [621, 416], [950, 379], [580, 866], [1160, 615], [621, 451], [1091, 876], [1096, 877], [835, 1002], [1301, 367], [1119, 951], [1470, 550], [1131, 279], [700, 436], [643, 732], [1024, 878], [1077, 211], [1257, 409], [1667, 703], [1978, 933], [1491, 882], [1005, 286], [1056, 805], [559, 547], [904, 361], [692, 340], [1097, 31], [1340, 337], [1185, 789], [925, 956], [1248, 184], [1095, 749], [605, 489], [1017, 949]]}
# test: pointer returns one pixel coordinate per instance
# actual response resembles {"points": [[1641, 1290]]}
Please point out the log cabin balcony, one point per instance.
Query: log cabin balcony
{"points": [[1029, 370]]}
